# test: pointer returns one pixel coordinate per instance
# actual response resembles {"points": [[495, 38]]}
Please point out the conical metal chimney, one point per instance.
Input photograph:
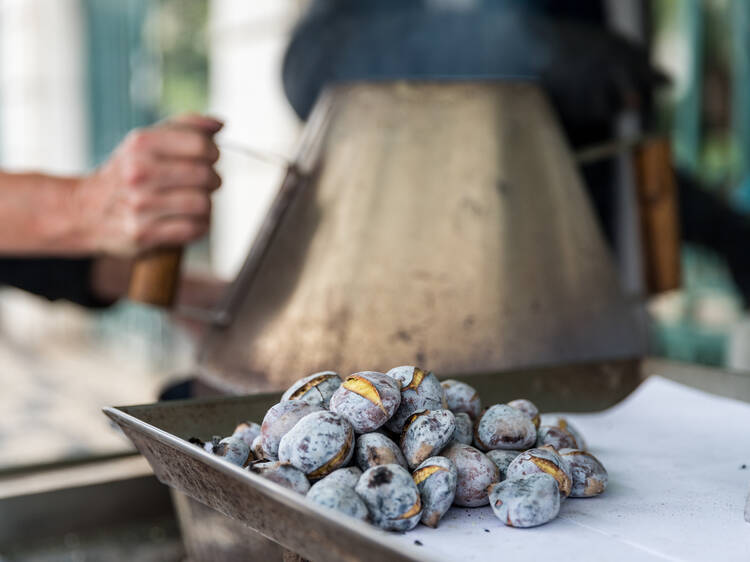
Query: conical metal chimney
{"points": [[444, 225]]}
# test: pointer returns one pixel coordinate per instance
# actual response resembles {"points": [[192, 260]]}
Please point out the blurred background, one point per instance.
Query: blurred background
{"points": [[77, 75]]}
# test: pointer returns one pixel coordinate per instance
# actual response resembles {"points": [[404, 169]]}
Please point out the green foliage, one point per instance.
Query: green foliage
{"points": [[177, 32]]}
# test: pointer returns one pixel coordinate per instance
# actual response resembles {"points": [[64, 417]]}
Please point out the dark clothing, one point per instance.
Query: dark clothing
{"points": [[709, 221], [588, 71], [52, 278]]}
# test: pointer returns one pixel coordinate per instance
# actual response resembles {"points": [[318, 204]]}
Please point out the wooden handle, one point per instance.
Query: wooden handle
{"points": [[660, 226], [155, 277]]}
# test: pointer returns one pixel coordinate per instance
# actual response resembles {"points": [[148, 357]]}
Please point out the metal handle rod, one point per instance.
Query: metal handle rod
{"points": [[255, 153]]}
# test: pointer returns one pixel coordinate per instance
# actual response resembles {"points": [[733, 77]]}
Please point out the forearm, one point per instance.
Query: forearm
{"points": [[38, 216]]}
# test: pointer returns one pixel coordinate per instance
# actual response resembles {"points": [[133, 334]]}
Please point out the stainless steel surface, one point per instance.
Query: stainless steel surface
{"points": [[159, 431], [298, 176], [210, 536], [445, 225], [86, 502]]}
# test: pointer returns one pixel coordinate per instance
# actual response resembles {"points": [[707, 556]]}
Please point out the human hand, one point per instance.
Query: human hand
{"points": [[154, 191]]}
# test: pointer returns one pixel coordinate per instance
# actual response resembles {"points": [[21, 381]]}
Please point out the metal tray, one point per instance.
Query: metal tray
{"points": [[159, 432]]}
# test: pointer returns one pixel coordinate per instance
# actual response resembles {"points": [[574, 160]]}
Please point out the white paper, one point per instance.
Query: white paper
{"points": [[676, 490]]}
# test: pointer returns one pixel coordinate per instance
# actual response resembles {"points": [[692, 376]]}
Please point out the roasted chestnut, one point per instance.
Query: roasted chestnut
{"points": [[318, 444], [544, 460], [504, 427], [425, 434], [420, 390], [315, 389], [475, 473], [367, 400], [436, 478], [526, 501], [460, 397], [391, 496], [373, 449]]}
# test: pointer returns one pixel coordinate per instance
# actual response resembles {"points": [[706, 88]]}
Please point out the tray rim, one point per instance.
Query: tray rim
{"points": [[271, 490]]}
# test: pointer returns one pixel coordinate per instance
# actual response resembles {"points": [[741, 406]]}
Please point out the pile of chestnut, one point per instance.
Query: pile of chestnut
{"points": [[401, 447]]}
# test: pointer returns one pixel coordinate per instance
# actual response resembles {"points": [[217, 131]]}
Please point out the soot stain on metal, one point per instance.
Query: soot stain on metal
{"points": [[402, 335]]}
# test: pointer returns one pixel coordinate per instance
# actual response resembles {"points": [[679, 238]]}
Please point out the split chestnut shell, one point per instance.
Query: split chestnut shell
{"points": [[367, 399], [420, 390], [543, 460], [348, 477], [425, 434], [391, 497], [563, 423], [436, 478], [315, 389], [318, 444], [588, 474]]}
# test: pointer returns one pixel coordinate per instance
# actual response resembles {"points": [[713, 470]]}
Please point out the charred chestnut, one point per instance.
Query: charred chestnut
{"points": [[504, 427], [420, 390], [588, 475], [556, 437], [460, 397], [315, 389], [279, 420], [391, 497], [233, 449], [544, 460], [367, 400], [464, 429], [247, 431], [348, 476], [373, 449], [502, 459], [528, 408], [436, 478], [341, 498], [318, 444], [283, 474], [425, 434], [527, 501], [563, 423], [475, 473]]}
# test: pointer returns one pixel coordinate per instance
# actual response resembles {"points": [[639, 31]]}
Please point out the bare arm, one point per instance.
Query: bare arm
{"points": [[154, 191], [37, 216]]}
